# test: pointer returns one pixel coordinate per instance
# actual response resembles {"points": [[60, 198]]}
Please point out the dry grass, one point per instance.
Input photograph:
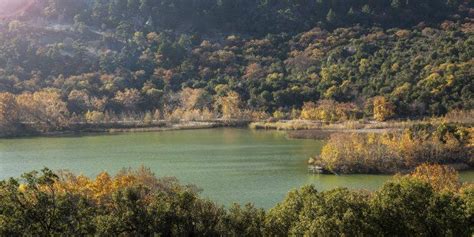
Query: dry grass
{"points": [[287, 125], [465, 118]]}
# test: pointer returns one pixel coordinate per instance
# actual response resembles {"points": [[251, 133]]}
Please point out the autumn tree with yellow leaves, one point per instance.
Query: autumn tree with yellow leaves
{"points": [[329, 111], [9, 118], [230, 105], [383, 109], [441, 177], [397, 151], [43, 110]]}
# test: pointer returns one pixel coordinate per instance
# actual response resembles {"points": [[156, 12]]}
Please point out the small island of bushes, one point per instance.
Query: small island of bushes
{"points": [[398, 151]]}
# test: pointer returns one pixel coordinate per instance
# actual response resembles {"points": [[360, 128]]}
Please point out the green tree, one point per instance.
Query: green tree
{"points": [[331, 16], [408, 206], [34, 207], [395, 4], [244, 221]]}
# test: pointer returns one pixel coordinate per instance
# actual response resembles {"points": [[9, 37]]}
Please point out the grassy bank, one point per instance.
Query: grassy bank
{"points": [[130, 126], [324, 134], [289, 125], [465, 118]]}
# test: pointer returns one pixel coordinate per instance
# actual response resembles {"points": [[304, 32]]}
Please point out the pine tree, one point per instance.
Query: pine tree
{"points": [[331, 16], [366, 9], [351, 12], [395, 4]]}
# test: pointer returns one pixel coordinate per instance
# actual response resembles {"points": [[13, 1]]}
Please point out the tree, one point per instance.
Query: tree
{"points": [[136, 202], [442, 178], [366, 9], [306, 212], [79, 101], [329, 111], [395, 4], [128, 215], [254, 71], [383, 109], [94, 116], [43, 110], [129, 98], [9, 113], [195, 99], [331, 16], [244, 221], [35, 207], [230, 105], [407, 206]]}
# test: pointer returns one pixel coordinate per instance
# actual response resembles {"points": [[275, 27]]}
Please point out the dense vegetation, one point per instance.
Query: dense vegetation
{"points": [[431, 202], [258, 17], [66, 63], [101, 61], [398, 151]]}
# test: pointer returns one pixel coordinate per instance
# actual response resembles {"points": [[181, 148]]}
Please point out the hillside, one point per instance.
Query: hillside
{"points": [[96, 60]]}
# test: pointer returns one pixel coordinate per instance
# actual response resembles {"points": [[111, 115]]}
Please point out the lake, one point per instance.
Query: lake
{"points": [[230, 165]]}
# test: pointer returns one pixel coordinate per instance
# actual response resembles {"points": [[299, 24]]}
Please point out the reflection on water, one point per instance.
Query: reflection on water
{"points": [[231, 165]]}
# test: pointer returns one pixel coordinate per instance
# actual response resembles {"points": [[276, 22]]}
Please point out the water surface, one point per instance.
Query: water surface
{"points": [[230, 165]]}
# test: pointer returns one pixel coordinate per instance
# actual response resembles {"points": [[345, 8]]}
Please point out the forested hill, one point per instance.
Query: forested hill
{"points": [[201, 59], [255, 17]]}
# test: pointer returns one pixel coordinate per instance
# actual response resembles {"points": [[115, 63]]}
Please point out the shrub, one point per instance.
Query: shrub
{"points": [[398, 151], [136, 203], [329, 111]]}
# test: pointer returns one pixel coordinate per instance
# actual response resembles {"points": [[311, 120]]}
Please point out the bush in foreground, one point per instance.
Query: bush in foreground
{"points": [[136, 203]]}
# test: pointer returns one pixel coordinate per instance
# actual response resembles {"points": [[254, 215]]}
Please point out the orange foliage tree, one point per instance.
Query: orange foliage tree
{"points": [[104, 185], [441, 177], [43, 110]]}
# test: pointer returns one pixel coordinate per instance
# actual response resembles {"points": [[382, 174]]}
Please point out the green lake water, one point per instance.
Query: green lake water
{"points": [[230, 165]]}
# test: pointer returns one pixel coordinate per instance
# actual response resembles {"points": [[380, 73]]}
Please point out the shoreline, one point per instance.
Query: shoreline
{"points": [[91, 129], [360, 125], [316, 170], [295, 129]]}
